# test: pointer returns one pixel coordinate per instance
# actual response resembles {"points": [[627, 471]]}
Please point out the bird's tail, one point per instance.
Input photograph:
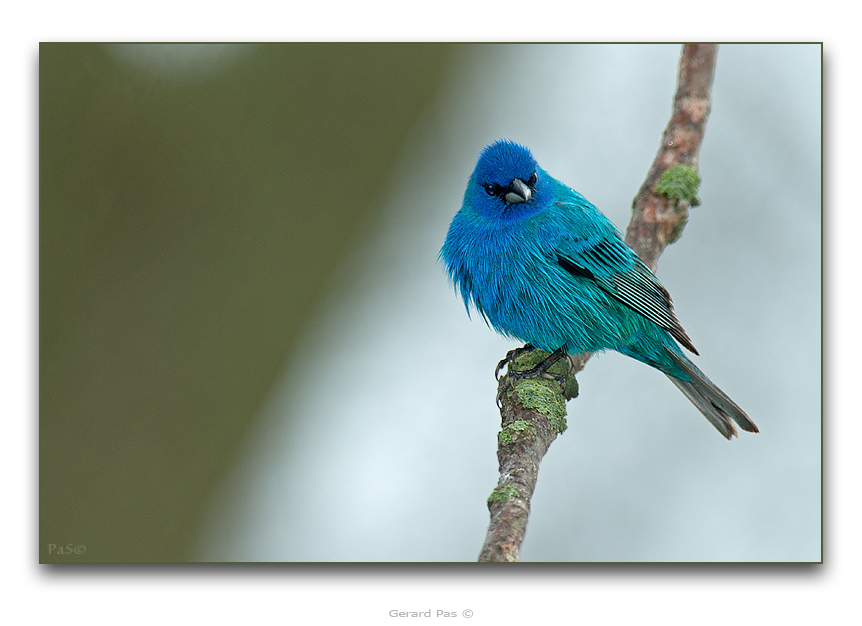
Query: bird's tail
{"points": [[710, 400]]}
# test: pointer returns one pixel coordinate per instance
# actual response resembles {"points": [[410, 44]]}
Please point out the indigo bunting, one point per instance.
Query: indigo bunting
{"points": [[544, 266]]}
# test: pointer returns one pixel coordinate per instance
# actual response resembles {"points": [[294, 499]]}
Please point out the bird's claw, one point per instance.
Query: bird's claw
{"points": [[541, 370], [511, 355]]}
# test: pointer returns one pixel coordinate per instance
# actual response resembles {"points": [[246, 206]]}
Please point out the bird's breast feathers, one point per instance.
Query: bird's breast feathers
{"points": [[510, 274]]}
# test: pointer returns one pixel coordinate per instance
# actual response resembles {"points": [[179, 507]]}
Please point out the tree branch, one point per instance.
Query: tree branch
{"points": [[533, 410], [658, 218]]}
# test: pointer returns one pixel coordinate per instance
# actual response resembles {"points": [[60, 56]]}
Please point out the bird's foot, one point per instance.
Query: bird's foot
{"points": [[540, 370], [511, 355]]}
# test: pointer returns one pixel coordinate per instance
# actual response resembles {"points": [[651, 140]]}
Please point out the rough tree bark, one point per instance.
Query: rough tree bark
{"points": [[533, 410]]}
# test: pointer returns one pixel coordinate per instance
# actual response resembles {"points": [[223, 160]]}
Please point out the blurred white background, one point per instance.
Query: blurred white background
{"points": [[379, 441]]}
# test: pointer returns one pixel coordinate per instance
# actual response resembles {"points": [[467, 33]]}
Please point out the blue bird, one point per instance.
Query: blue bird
{"points": [[544, 266]]}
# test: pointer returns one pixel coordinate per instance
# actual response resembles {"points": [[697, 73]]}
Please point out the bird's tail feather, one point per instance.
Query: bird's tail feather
{"points": [[716, 406]]}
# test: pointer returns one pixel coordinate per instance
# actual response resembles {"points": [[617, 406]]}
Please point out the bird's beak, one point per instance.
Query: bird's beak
{"points": [[518, 192]]}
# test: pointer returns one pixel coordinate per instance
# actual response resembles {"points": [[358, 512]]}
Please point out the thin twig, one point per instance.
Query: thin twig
{"points": [[531, 417], [657, 220]]}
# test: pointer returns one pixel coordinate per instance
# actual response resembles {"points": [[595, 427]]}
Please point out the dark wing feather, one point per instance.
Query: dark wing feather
{"points": [[618, 270]]}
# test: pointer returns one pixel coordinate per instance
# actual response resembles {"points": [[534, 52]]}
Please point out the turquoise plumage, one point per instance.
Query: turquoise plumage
{"points": [[544, 266]]}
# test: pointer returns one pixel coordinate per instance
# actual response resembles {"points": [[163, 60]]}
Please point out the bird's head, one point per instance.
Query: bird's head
{"points": [[507, 183]]}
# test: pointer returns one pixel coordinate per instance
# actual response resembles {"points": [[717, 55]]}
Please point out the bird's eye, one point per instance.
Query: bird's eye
{"points": [[492, 189], [533, 179]]}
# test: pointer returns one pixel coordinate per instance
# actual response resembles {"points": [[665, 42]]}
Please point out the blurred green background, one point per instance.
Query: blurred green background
{"points": [[238, 245], [190, 215]]}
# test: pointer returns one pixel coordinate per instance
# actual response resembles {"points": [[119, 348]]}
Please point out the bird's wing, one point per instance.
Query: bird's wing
{"points": [[613, 266]]}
